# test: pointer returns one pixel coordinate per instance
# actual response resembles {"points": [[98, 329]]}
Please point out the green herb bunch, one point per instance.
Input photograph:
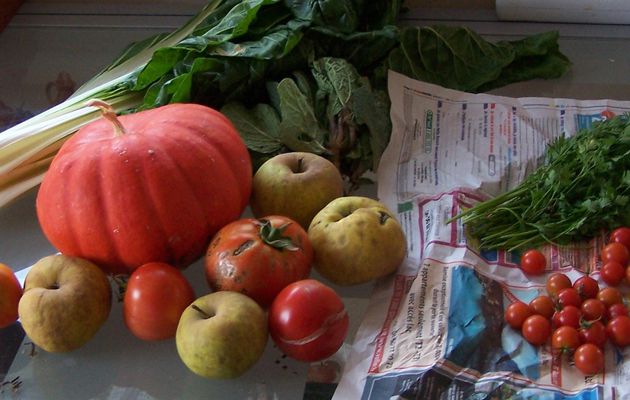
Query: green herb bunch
{"points": [[582, 188]]}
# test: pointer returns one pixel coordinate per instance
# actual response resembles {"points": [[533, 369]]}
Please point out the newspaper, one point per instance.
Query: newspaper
{"points": [[435, 329]]}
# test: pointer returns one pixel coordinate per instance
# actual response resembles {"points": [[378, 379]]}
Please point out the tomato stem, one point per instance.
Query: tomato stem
{"points": [[273, 236]]}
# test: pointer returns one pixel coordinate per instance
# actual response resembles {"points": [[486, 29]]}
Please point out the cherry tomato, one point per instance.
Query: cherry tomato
{"points": [[565, 338], [543, 305], [536, 329], [628, 274], [618, 330], [568, 316], [615, 252], [308, 320], [610, 296], [556, 282], [516, 313], [593, 309], [620, 235], [612, 273], [569, 297], [587, 287], [258, 257], [607, 114], [616, 310], [533, 262], [594, 332], [10, 294], [589, 359], [155, 299]]}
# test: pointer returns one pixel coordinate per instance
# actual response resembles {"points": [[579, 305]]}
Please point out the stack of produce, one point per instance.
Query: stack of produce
{"points": [[292, 76]]}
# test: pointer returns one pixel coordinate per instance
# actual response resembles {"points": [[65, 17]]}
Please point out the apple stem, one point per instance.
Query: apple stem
{"points": [[202, 312]]}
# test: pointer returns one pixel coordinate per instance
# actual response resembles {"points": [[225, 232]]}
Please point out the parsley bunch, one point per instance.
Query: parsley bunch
{"points": [[582, 188]]}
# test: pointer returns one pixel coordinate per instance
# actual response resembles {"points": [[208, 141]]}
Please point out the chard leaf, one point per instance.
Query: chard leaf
{"points": [[454, 57], [536, 56], [336, 80], [259, 127], [371, 108], [299, 128], [292, 124], [342, 15]]}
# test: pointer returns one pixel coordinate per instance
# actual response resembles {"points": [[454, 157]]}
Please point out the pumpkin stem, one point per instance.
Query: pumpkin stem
{"points": [[109, 114], [273, 236]]}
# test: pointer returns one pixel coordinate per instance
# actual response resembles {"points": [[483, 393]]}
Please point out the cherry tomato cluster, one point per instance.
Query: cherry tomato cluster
{"points": [[615, 256], [578, 318]]}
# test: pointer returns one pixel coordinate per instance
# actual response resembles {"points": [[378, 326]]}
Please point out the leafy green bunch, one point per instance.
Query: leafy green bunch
{"points": [[293, 75], [299, 75], [582, 188]]}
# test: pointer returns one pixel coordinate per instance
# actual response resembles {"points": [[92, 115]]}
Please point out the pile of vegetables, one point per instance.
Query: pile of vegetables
{"points": [[293, 76], [582, 188]]}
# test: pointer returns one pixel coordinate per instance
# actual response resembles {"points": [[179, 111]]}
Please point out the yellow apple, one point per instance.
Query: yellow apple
{"points": [[355, 240], [296, 185], [65, 302], [221, 335]]}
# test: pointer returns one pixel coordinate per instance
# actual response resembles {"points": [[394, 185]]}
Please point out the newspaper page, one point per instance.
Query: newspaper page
{"points": [[435, 329]]}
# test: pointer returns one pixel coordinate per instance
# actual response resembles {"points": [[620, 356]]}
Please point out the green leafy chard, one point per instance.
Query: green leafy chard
{"points": [[233, 53], [343, 118], [582, 188]]}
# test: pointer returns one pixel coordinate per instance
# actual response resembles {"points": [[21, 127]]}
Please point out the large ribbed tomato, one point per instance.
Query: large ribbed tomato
{"points": [[258, 257], [153, 186]]}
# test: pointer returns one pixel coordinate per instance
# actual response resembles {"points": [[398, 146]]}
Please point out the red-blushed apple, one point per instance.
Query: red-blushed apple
{"points": [[65, 302], [355, 240], [296, 185], [222, 335]]}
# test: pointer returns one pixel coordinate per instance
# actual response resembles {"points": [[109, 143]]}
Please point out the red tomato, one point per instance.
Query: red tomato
{"points": [[155, 298], [543, 305], [628, 274], [258, 257], [616, 310], [589, 359], [615, 252], [533, 262], [568, 316], [618, 330], [594, 332], [569, 297], [610, 296], [621, 235], [536, 329], [587, 287], [607, 114], [593, 309], [516, 313], [308, 320], [565, 338], [10, 294], [556, 282], [612, 273]]}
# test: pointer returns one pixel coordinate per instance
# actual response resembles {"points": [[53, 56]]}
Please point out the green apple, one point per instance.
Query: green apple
{"points": [[296, 185], [65, 302], [355, 240], [221, 335]]}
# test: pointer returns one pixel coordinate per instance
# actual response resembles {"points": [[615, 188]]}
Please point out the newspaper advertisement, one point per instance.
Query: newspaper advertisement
{"points": [[435, 329]]}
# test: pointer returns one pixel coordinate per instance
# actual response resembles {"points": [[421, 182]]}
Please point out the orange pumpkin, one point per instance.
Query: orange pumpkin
{"points": [[153, 186]]}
